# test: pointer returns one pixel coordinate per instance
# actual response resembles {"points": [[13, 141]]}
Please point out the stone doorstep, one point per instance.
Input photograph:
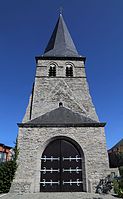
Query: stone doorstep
{"points": [[55, 195]]}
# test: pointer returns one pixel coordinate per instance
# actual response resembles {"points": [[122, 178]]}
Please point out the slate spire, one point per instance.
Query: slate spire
{"points": [[61, 43]]}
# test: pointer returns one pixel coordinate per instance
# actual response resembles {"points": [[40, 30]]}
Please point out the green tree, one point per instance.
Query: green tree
{"points": [[7, 171]]}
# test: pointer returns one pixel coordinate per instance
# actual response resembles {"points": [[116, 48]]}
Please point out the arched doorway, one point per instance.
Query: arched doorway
{"points": [[61, 167]]}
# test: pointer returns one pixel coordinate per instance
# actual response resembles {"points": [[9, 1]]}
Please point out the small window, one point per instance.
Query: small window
{"points": [[52, 71], [2, 156], [69, 71]]}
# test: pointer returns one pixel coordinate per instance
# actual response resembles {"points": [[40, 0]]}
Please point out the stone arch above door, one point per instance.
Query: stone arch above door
{"points": [[62, 166]]}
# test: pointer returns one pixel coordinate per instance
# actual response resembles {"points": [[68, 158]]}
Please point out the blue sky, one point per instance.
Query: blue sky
{"points": [[96, 27]]}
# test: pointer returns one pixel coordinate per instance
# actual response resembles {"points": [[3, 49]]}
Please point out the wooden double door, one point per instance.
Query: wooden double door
{"points": [[61, 168]]}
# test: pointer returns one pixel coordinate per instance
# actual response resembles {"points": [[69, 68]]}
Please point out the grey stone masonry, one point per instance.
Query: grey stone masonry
{"points": [[49, 91], [32, 142]]}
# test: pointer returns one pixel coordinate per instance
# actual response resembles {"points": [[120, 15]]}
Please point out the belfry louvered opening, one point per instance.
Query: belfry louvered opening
{"points": [[61, 168], [69, 71], [52, 71]]}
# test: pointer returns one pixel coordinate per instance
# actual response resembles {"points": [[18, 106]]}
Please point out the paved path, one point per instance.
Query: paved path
{"points": [[1, 195], [64, 195]]}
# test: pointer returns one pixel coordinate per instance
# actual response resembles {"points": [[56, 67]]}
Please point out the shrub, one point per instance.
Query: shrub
{"points": [[118, 184]]}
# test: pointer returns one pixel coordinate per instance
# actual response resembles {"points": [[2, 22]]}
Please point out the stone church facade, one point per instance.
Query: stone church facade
{"points": [[62, 145]]}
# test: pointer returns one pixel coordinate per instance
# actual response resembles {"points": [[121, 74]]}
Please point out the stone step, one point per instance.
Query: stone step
{"points": [[63, 195]]}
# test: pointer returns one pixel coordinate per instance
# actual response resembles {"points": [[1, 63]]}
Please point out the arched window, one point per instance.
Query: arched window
{"points": [[61, 167], [52, 70], [69, 70]]}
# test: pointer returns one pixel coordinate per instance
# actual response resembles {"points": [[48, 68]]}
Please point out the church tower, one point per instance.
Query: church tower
{"points": [[62, 146]]}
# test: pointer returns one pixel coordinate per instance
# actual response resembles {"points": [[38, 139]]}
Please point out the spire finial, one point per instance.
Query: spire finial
{"points": [[61, 10], [60, 43]]}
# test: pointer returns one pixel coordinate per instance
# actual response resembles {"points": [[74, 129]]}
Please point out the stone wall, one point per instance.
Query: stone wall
{"points": [[32, 142], [72, 91]]}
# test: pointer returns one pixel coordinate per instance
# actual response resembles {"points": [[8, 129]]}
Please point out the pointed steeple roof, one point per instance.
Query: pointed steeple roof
{"points": [[61, 43]]}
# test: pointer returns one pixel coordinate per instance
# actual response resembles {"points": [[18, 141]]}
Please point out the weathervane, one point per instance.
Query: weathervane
{"points": [[61, 10]]}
